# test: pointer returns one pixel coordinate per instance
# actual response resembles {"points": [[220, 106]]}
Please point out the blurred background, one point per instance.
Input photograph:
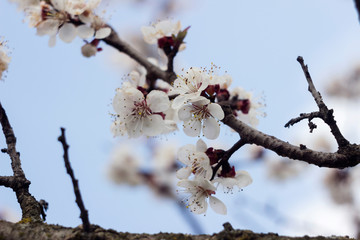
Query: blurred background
{"points": [[257, 43]]}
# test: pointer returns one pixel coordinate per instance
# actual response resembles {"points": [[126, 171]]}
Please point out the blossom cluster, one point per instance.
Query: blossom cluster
{"points": [[199, 178], [195, 98], [66, 18], [147, 107]]}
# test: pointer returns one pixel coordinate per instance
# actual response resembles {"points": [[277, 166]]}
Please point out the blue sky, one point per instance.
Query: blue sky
{"points": [[257, 42]]}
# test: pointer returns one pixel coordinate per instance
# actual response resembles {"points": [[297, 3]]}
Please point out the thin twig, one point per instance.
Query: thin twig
{"points": [[303, 116], [114, 40], [325, 114], [83, 212], [225, 158]]}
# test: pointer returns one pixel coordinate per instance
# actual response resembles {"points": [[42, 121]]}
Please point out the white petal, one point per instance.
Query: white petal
{"points": [[102, 33], [58, 4], [134, 127], [243, 179], [153, 125], [67, 32], [48, 27], [184, 113], [198, 205], [187, 183], [216, 111], [170, 126], [85, 31], [184, 153], [149, 34], [201, 146], [217, 205], [183, 173], [158, 101], [192, 128], [52, 41], [211, 128], [179, 101]]}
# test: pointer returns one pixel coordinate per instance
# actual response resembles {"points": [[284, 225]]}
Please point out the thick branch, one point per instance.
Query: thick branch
{"points": [[7, 181], [114, 41], [11, 144], [83, 212], [20, 185], [346, 157]]}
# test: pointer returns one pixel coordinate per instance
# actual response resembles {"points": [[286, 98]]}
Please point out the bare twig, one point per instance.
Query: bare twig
{"points": [[18, 182], [83, 212], [225, 158], [324, 113], [114, 40], [303, 116]]}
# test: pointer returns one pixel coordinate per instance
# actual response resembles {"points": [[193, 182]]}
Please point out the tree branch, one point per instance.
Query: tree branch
{"points": [[348, 156], [83, 212], [7, 181], [324, 113], [225, 158], [114, 40], [357, 6], [31, 209]]}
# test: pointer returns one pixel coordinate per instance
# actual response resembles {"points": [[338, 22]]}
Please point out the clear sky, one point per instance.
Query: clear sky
{"points": [[257, 42]]}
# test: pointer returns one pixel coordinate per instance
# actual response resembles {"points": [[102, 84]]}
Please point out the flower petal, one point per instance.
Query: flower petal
{"points": [[201, 146], [67, 32], [102, 33], [48, 27], [85, 31], [183, 173], [243, 179], [216, 111], [198, 204], [158, 101], [184, 113], [217, 205], [153, 125], [192, 127], [211, 128]]}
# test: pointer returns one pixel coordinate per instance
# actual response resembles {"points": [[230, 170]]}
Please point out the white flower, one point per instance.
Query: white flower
{"points": [[89, 50], [97, 28], [189, 86], [4, 58], [141, 116], [200, 190], [161, 29], [224, 81], [125, 166], [241, 180], [200, 116], [254, 111], [118, 128], [196, 161]]}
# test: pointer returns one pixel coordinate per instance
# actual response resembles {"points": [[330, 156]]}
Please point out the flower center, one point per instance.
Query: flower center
{"points": [[141, 109], [200, 112]]}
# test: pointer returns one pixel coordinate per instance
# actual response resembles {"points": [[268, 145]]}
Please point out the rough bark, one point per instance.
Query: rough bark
{"points": [[42, 231]]}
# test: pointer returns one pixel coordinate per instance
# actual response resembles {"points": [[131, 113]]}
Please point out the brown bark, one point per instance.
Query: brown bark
{"points": [[42, 231]]}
